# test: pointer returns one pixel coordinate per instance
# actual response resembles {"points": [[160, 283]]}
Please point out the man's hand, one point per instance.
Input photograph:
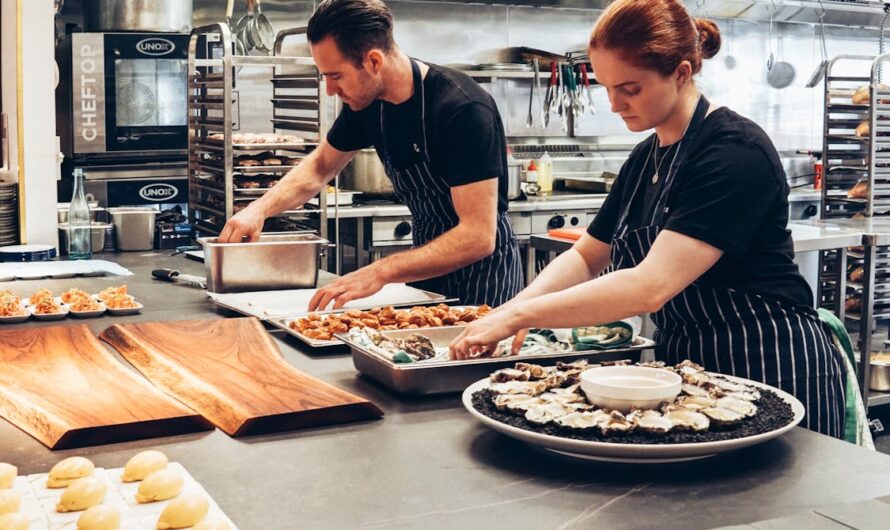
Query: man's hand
{"points": [[243, 226], [359, 284]]}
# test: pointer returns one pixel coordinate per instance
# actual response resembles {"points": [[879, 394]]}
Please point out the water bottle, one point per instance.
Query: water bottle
{"points": [[79, 241]]}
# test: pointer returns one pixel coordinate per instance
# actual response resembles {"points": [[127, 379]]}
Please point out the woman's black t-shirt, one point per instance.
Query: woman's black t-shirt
{"points": [[730, 193]]}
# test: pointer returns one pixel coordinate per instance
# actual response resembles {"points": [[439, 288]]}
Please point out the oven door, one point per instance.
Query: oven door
{"points": [[145, 92]]}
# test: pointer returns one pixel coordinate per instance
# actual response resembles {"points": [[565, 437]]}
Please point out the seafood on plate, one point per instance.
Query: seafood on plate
{"points": [[546, 395]]}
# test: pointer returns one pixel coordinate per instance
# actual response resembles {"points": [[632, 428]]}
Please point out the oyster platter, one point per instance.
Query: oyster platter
{"points": [[556, 407]]}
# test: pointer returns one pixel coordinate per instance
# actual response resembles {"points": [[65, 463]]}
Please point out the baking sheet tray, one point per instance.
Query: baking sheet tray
{"points": [[266, 305], [435, 377]]}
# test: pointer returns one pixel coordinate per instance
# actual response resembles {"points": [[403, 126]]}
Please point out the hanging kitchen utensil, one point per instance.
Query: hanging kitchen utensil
{"points": [[529, 119], [236, 42], [241, 29], [819, 73], [261, 33], [591, 106], [780, 74], [537, 68], [551, 94], [580, 103]]}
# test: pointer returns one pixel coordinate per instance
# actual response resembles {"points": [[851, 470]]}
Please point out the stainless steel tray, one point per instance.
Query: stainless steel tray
{"points": [[435, 377], [271, 305]]}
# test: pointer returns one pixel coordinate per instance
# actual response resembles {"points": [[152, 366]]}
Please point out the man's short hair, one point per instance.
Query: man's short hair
{"points": [[357, 26]]}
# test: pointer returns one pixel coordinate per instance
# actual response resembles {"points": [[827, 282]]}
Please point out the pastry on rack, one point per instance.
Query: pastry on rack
{"points": [[184, 512], [250, 184], [272, 161], [100, 517], [862, 94], [83, 493], [143, 464], [859, 190], [14, 521], [68, 470]]}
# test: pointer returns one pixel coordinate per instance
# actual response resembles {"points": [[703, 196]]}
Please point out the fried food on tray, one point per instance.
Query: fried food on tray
{"points": [[320, 327], [106, 294], [73, 295]]}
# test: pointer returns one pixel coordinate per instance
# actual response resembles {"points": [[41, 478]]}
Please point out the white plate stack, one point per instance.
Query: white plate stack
{"points": [[9, 213]]}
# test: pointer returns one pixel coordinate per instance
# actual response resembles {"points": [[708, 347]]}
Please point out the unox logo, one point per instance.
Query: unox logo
{"points": [[158, 192], [155, 46]]}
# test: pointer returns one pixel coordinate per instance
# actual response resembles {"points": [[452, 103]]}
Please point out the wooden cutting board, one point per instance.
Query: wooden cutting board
{"points": [[232, 372], [60, 385]]}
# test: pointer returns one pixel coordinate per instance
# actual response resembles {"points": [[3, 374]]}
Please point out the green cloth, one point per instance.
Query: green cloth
{"points": [[856, 429]]}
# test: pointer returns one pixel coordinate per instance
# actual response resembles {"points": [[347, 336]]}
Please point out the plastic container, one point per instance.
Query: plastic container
{"points": [[545, 173]]}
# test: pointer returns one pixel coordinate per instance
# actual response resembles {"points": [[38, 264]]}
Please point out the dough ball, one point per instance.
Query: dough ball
{"points": [[8, 473], [14, 521], [159, 486], [212, 524], [184, 512], [144, 464], [9, 501], [69, 470], [83, 493], [101, 517]]}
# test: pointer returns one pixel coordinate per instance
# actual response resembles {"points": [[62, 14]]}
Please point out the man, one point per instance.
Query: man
{"points": [[442, 142]]}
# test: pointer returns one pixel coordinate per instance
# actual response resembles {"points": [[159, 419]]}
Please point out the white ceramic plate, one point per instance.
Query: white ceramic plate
{"points": [[634, 453], [50, 316], [18, 318], [125, 311], [89, 314]]}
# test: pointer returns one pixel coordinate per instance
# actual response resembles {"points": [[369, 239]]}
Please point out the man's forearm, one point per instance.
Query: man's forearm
{"points": [[449, 252], [298, 186]]}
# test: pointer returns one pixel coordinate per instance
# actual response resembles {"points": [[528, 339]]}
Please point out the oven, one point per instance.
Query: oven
{"points": [[122, 95]]}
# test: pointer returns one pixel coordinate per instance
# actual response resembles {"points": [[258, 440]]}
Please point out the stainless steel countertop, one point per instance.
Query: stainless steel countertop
{"points": [[875, 230], [807, 236], [429, 464]]}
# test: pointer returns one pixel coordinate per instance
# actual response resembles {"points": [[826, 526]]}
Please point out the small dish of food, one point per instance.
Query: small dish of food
{"points": [[49, 309], [119, 302], [86, 307], [73, 295], [40, 295], [12, 309]]}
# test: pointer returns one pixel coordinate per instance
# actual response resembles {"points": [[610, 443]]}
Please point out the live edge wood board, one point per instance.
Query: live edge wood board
{"points": [[60, 385], [232, 372]]}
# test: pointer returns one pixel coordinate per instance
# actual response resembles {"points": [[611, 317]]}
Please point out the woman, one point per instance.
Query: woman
{"points": [[695, 226]]}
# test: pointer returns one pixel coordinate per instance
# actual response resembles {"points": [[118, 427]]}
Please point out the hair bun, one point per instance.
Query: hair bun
{"points": [[708, 37]]}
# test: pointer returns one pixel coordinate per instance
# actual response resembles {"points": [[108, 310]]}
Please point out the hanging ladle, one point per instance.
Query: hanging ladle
{"points": [[779, 74], [236, 40], [823, 66]]}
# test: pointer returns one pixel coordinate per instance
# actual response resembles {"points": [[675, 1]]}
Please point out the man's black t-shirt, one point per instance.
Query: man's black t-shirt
{"points": [[730, 193], [464, 132]]}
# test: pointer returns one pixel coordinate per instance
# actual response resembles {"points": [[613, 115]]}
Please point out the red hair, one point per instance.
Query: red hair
{"points": [[656, 34]]}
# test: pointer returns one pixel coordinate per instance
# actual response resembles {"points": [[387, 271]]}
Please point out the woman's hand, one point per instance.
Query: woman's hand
{"points": [[482, 336]]}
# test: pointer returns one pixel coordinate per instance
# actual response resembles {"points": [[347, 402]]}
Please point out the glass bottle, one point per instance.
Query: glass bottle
{"points": [[79, 240]]}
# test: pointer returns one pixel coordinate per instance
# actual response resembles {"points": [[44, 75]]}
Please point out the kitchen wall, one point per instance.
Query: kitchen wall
{"points": [[447, 33]]}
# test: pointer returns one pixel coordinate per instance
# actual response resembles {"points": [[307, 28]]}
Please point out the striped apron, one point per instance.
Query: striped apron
{"points": [[492, 280], [737, 333]]}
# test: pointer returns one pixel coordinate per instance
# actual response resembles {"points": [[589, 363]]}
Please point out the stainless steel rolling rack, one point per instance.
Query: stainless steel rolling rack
{"points": [[853, 156], [221, 182], [845, 162]]}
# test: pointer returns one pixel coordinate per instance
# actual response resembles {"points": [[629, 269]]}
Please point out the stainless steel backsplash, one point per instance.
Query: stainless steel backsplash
{"points": [[446, 33]]}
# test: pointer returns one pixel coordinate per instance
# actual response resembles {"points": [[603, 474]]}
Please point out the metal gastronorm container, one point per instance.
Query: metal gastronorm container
{"points": [[276, 261], [434, 377]]}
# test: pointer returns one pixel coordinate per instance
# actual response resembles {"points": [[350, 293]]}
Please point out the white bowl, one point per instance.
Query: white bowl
{"points": [[623, 388]]}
